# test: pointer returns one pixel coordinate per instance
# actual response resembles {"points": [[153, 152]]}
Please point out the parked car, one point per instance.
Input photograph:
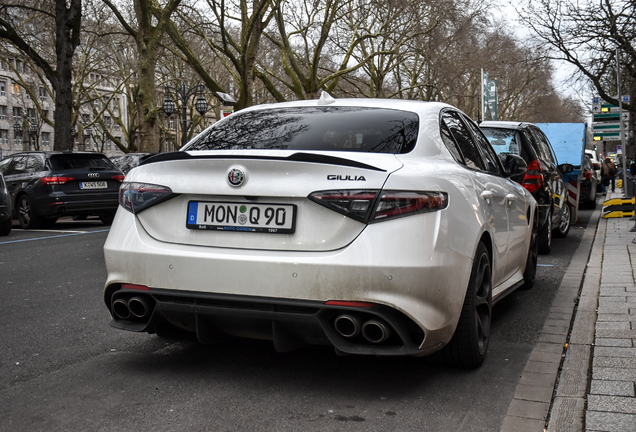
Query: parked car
{"points": [[378, 227], [596, 167], [47, 185], [5, 209], [544, 177], [128, 161]]}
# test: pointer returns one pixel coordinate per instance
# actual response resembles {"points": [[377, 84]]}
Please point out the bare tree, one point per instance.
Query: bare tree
{"points": [[21, 24], [586, 34], [147, 29]]}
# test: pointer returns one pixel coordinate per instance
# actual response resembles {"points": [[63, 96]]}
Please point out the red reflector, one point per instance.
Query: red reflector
{"points": [[348, 303], [135, 287]]}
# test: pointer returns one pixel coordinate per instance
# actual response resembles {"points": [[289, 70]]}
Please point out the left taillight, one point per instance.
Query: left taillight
{"points": [[136, 197], [369, 206], [119, 177], [55, 180]]}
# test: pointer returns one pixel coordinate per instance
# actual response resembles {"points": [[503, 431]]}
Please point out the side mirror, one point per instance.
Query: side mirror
{"points": [[566, 168], [514, 165]]}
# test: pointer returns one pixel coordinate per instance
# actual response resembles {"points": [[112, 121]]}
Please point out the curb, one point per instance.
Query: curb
{"points": [[533, 400]]}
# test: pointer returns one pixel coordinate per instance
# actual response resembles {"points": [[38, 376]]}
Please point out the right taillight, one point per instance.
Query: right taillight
{"points": [[136, 197], [374, 206], [533, 179]]}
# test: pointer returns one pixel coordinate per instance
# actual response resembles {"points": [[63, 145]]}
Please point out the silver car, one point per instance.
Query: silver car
{"points": [[378, 227]]}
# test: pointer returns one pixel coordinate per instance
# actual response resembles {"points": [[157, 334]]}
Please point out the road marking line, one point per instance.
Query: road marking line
{"points": [[50, 237]]}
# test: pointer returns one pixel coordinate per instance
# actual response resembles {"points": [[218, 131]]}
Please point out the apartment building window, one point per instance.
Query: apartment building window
{"points": [[3, 112], [31, 115], [86, 118], [42, 93], [45, 114], [4, 137], [107, 122], [3, 65], [17, 113], [15, 89], [46, 139], [3, 88], [171, 125]]}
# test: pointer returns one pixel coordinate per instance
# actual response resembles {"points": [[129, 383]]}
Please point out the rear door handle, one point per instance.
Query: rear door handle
{"points": [[510, 198], [487, 195]]}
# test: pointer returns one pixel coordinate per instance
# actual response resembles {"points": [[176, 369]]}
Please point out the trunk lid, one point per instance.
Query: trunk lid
{"points": [[275, 187]]}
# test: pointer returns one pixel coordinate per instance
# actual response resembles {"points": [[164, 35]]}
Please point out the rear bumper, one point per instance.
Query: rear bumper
{"points": [[413, 283], [66, 205]]}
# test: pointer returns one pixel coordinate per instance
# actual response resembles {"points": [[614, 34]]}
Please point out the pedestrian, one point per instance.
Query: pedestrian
{"points": [[608, 175]]}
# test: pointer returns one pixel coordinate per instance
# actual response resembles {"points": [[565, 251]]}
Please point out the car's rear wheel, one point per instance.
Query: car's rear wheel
{"points": [[468, 346], [564, 226], [545, 236], [5, 227], [26, 215]]}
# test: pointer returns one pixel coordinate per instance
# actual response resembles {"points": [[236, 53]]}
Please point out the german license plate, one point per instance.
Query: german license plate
{"points": [[94, 185], [244, 217]]}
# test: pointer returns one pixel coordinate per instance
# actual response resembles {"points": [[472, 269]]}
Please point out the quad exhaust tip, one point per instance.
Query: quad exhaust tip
{"points": [[138, 307], [121, 309], [347, 326], [373, 331], [134, 307]]}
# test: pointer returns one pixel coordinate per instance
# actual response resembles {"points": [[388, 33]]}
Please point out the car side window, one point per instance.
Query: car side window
{"points": [[541, 144], [18, 166], [32, 164], [450, 143], [4, 166], [464, 140], [545, 143], [489, 155]]}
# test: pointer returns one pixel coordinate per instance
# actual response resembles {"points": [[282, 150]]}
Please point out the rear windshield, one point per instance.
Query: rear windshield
{"points": [[79, 161], [503, 140], [371, 130]]}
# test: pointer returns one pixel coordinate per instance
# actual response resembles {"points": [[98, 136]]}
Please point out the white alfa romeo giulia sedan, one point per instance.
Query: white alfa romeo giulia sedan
{"points": [[378, 227]]}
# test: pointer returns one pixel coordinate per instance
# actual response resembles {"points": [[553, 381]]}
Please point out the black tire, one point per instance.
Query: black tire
{"points": [[5, 227], [468, 346], [564, 226], [530, 272], [107, 219], [26, 215], [545, 236]]}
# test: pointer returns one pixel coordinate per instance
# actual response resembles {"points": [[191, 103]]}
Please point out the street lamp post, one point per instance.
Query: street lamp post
{"points": [[33, 132], [87, 136], [17, 131], [183, 95]]}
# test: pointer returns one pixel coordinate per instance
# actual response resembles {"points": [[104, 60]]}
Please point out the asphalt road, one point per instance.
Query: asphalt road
{"points": [[62, 368]]}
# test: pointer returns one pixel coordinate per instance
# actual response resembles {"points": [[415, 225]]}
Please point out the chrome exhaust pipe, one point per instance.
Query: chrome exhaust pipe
{"points": [[375, 331], [138, 307], [121, 309], [347, 326]]}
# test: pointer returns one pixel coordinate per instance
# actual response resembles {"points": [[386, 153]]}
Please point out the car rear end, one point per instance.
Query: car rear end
{"points": [[5, 208], [77, 184], [505, 137], [289, 242]]}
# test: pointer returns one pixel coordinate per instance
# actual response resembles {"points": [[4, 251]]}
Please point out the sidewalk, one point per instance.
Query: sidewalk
{"points": [[582, 376], [601, 394]]}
